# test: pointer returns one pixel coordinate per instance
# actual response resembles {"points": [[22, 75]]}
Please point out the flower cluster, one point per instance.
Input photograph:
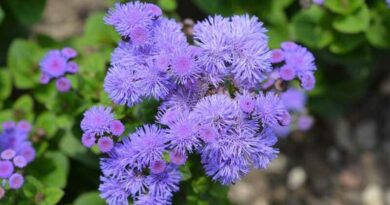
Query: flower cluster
{"points": [[16, 152], [294, 61], [55, 64], [99, 125], [295, 101], [213, 100]]}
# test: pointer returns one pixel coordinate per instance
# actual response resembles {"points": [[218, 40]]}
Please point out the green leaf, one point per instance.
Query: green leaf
{"points": [[379, 31], [185, 173], [1, 14], [23, 108], [353, 23], [200, 185], [309, 27], [90, 198], [6, 115], [71, 146], [27, 12], [31, 186], [343, 6], [58, 174], [23, 63], [5, 84], [97, 33], [52, 195], [47, 95], [344, 43], [47, 121], [167, 5]]}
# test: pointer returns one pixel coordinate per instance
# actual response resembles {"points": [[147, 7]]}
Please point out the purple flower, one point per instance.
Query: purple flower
{"points": [[158, 166], [68, 52], [251, 56], [184, 67], [88, 140], [294, 99], [277, 56], [126, 18], [246, 101], [19, 161], [72, 67], [208, 133], [133, 182], [216, 110], [6, 169], [215, 48], [165, 183], [153, 9], [147, 199], [305, 122], [182, 136], [63, 84], [300, 59], [53, 64], [269, 109], [307, 81], [170, 116], [112, 192], [8, 154], [97, 120], [178, 158], [168, 36], [44, 78], [287, 72], [147, 145], [117, 128], [105, 144], [16, 181], [8, 125], [153, 82], [27, 151], [23, 126], [121, 85], [320, 2]]}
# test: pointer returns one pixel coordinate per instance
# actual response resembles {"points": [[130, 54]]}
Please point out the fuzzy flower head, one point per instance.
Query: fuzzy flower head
{"points": [[182, 136], [53, 64], [294, 99], [246, 101], [122, 86], [130, 17], [251, 56], [6, 169], [165, 183], [217, 110], [63, 84], [97, 120], [147, 145], [111, 192], [215, 49], [184, 67], [153, 82], [16, 181], [270, 109]]}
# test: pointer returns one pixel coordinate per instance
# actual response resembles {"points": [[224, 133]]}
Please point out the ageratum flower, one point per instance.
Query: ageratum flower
{"points": [[184, 68], [112, 192], [146, 145], [53, 64], [217, 110], [294, 99], [16, 152], [215, 48], [164, 184], [269, 109], [182, 136], [123, 86], [97, 120], [133, 182], [251, 56], [246, 101], [168, 36], [148, 199], [153, 82], [130, 18]]}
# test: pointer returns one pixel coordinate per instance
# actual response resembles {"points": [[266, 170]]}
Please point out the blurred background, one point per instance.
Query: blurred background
{"points": [[343, 159]]}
